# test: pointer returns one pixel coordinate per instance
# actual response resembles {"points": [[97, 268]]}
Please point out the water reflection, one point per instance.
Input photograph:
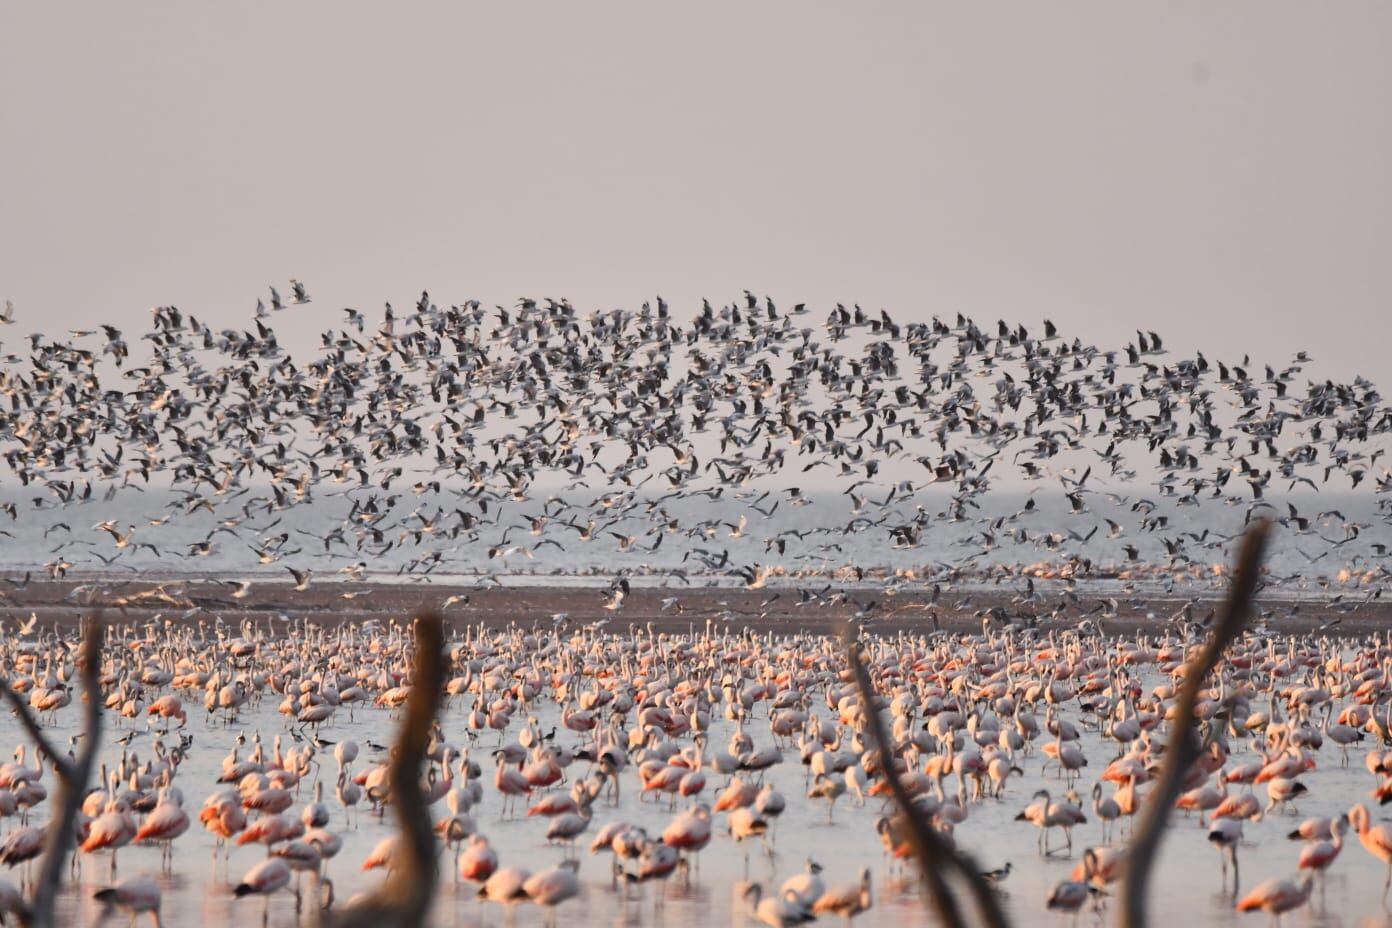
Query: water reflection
{"points": [[1187, 885]]}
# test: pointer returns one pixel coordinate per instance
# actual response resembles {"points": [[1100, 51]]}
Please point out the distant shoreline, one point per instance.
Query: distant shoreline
{"points": [[910, 609]]}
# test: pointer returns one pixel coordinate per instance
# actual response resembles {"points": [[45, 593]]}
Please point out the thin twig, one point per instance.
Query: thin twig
{"points": [[935, 856], [405, 899], [72, 782], [31, 726], [1182, 748]]}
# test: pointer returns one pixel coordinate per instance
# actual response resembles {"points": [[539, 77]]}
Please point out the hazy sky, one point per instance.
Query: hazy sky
{"points": [[1217, 171]]}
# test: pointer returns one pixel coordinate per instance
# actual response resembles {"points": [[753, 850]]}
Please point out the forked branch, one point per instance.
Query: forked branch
{"points": [[32, 728], [936, 858], [73, 775]]}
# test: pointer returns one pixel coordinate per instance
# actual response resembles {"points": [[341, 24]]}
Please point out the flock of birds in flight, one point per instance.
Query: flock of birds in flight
{"points": [[435, 426]]}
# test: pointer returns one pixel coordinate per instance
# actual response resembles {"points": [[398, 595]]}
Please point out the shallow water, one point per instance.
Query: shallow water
{"points": [[1307, 557], [1186, 886]]}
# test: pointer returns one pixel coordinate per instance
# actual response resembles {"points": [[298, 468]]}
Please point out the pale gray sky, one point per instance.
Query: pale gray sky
{"points": [[1217, 171]]}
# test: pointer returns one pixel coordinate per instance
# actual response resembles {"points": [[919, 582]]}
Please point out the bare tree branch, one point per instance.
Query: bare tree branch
{"points": [[31, 726], [935, 856], [405, 899], [1182, 747], [72, 781]]}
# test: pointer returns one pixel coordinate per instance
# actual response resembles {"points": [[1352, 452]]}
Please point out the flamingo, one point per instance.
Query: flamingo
{"points": [[300, 856], [1070, 896], [1320, 855], [551, 887], [478, 861], [807, 887], [168, 707], [1106, 810], [222, 815], [1045, 814], [384, 855], [1276, 896], [510, 782], [22, 845], [166, 823], [742, 824], [848, 900], [134, 895], [1376, 840], [689, 832], [656, 861], [779, 911], [828, 788], [110, 831], [505, 886], [1226, 834], [349, 794], [266, 878]]}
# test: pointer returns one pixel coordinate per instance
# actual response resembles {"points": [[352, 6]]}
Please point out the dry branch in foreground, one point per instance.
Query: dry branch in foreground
{"points": [[404, 900], [936, 858], [1183, 748], [72, 773]]}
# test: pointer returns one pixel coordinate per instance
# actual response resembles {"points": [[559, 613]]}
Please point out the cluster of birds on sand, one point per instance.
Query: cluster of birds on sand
{"points": [[565, 724], [429, 425]]}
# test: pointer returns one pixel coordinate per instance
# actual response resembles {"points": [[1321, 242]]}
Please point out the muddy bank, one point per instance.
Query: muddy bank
{"points": [[669, 608]]}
